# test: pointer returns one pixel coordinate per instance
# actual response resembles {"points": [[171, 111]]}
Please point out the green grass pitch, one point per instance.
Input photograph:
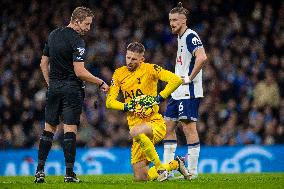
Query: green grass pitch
{"points": [[219, 181]]}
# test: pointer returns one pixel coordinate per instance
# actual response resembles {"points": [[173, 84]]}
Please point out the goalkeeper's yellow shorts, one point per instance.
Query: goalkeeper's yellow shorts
{"points": [[159, 131]]}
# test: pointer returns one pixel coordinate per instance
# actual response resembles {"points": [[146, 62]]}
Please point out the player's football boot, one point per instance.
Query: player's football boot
{"points": [[39, 177], [175, 175], [71, 178], [192, 176], [182, 168], [162, 175]]}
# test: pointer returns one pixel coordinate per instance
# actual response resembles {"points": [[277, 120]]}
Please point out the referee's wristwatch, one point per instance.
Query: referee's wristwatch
{"points": [[101, 84]]}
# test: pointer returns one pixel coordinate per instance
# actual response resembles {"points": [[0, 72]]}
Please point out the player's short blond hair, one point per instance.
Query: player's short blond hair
{"points": [[136, 47], [180, 9], [80, 14]]}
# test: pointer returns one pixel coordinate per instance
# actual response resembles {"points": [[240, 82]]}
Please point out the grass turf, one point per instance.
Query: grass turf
{"points": [[267, 180]]}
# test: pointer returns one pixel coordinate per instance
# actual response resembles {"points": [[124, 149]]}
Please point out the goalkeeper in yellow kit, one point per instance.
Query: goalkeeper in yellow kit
{"points": [[135, 79]]}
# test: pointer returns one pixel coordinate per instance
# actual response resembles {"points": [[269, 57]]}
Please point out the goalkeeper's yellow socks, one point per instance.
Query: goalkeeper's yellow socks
{"points": [[149, 149], [152, 172], [172, 165]]}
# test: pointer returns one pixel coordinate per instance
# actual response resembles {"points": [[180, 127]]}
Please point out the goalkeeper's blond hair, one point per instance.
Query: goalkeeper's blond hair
{"points": [[136, 47]]}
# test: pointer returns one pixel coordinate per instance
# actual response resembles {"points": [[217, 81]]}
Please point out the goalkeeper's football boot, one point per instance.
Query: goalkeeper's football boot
{"points": [[162, 175], [71, 178], [39, 177], [182, 168]]}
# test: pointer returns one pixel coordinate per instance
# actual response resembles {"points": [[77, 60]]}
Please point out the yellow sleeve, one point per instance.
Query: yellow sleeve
{"points": [[173, 81], [114, 89]]}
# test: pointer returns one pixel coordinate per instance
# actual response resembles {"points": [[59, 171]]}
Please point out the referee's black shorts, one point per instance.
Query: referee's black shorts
{"points": [[64, 98]]}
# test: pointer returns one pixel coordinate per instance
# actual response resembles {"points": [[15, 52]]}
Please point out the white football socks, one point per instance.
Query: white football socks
{"points": [[169, 150], [193, 155]]}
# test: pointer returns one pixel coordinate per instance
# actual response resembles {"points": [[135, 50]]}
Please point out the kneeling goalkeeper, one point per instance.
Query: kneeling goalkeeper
{"points": [[147, 128]]}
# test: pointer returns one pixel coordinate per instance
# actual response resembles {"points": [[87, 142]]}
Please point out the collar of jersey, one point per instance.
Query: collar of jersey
{"points": [[183, 33]]}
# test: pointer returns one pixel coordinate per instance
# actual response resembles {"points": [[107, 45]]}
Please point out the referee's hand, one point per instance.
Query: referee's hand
{"points": [[104, 88]]}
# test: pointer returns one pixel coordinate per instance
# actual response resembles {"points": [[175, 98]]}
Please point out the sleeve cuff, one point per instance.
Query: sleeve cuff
{"points": [[160, 98]]}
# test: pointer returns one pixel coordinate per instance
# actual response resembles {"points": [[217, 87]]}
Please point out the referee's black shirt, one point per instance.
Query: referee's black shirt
{"points": [[64, 46]]}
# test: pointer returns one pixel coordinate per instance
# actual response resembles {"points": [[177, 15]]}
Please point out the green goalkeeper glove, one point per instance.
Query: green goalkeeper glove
{"points": [[147, 101], [130, 106]]}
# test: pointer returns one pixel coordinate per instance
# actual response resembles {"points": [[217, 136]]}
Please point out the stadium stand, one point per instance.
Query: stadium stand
{"points": [[243, 79]]}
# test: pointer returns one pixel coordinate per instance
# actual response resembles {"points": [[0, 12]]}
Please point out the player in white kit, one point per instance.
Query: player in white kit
{"points": [[184, 102]]}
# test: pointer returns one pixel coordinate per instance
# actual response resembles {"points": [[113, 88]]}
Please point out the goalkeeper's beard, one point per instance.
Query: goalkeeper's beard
{"points": [[132, 66]]}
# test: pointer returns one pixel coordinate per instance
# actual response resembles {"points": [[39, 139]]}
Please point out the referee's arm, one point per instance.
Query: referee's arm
{"points": [[44, 68], [82, 73]]}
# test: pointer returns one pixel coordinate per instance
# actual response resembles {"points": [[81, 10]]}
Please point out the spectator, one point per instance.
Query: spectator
{"points": [[267, 92]]}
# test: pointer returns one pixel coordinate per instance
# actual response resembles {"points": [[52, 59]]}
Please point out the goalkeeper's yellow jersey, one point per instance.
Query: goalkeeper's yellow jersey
{"points": [[142, 81]]}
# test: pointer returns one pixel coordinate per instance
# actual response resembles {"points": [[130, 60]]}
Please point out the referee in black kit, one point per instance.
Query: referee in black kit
{"points": [[65, 53]]}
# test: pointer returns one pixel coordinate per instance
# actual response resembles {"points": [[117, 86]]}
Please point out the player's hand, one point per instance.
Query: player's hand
{"points": [[104, 87], [185, 80]]}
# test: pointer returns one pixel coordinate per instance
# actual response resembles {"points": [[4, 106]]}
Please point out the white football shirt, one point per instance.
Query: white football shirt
{"points": [[188, 43]]}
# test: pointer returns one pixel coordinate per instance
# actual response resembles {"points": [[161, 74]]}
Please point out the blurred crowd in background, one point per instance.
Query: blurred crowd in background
{"points": [[243, 78]]}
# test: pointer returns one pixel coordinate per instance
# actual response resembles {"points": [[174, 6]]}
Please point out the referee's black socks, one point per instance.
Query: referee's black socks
{"points": [[45, 144], [69, 148]]}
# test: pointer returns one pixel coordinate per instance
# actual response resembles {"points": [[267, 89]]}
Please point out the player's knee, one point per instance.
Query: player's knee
{"points": [[143, 128], [170, 130], [134, 133], [140, 176], [170, 126], [140, 170]]}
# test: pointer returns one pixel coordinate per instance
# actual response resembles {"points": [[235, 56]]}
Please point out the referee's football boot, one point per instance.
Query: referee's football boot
{"points": [[71, 178], [39, 177]]}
